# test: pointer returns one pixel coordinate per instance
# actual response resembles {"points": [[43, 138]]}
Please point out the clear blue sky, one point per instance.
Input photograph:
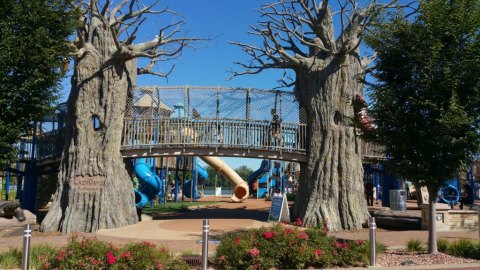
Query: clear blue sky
{"points": [[223, 21]]}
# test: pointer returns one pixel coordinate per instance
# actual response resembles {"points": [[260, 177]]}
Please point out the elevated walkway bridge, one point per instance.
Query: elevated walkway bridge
{"points": [[199, 121]]}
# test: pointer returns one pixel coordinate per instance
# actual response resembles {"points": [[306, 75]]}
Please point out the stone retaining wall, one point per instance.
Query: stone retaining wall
{"points": [[451, 220], [463, 220]]}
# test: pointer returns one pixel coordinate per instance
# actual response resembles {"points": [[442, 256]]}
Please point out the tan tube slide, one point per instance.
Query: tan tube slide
{"points": [[240, 191]]}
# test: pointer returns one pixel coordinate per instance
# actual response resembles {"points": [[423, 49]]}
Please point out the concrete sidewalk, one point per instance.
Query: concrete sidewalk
{"points": [[182, 232]]}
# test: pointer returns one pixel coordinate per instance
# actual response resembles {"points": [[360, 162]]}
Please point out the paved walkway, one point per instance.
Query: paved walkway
{"points": [[182, 232]]}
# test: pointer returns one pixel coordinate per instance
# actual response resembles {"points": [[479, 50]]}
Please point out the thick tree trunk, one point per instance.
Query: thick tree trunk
{"points": [[432, 223], [94, 190], [331, 189]]}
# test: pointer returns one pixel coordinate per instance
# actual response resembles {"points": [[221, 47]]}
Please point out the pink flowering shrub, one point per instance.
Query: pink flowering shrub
{"points": [[287, 247], [90, 253]]}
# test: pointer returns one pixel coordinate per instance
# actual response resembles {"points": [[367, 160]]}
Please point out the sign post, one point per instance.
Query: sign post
{"points": [[279, 209]]}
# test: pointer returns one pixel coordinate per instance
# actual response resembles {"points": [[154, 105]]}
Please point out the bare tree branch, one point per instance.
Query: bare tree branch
{"points": [[132, 36], [149, 70], [116, 9], [300, 34], [123, 21], [105, 8], [367, 60], [135, 13]]}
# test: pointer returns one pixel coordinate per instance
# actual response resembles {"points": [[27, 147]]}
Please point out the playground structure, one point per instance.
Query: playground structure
{"points": [[186, 121], [154, 185], [274, 177], [35, 153], [449, 193], [151, 185], [190, 186], [240, 190], [261, 177]]}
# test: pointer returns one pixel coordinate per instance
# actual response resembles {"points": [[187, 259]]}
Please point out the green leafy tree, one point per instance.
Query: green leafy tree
{"points": [[244, 171], [216, 179], [426, 93], [34, 53]]}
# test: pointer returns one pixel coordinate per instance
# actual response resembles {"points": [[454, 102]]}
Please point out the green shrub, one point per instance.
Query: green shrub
{"points": [[465, 248], [415, 245], [284, 246], [442, 245], [90, 253], [145, 255]]}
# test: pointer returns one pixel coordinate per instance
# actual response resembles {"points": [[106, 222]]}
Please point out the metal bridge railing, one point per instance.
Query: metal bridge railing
{"points": [[225, 133]]}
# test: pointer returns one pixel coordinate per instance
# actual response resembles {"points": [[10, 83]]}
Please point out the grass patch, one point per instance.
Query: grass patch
{"points": [[12, 258], [415, 245], [187, 252], [12, 194], [173, 207]]}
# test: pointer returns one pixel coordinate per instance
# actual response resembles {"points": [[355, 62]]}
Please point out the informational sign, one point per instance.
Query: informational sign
{"points": [[279, 209], [89, 183]]}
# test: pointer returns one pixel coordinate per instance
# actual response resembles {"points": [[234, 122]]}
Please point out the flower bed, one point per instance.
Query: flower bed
{"points": [[90, 253], [287, 247]]}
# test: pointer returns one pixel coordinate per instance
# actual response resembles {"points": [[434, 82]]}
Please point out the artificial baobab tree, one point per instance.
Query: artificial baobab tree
{"points": [[322, 47], [94, 189]]}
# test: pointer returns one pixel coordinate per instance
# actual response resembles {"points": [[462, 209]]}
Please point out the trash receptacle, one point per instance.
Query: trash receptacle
{"points": [[398, 200], [218, 191]]}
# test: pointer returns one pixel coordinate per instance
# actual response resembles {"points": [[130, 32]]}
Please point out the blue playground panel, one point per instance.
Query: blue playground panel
{"points": [[450, 192]]}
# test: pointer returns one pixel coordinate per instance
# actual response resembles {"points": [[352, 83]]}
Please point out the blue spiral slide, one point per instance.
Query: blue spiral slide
{"points": [[202, 178], [150, 184]]}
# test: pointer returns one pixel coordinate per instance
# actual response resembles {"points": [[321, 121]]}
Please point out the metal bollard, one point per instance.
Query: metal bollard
{"points": [[27, 234], [205, 245], [372, 227]]}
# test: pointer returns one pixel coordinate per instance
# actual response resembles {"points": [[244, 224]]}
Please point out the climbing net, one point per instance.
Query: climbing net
{"points": [[213, 103]]}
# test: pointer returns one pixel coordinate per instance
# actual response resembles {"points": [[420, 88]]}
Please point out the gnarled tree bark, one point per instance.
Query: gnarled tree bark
{"points": [[331, 185], [300, 35], [95, 190]]}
